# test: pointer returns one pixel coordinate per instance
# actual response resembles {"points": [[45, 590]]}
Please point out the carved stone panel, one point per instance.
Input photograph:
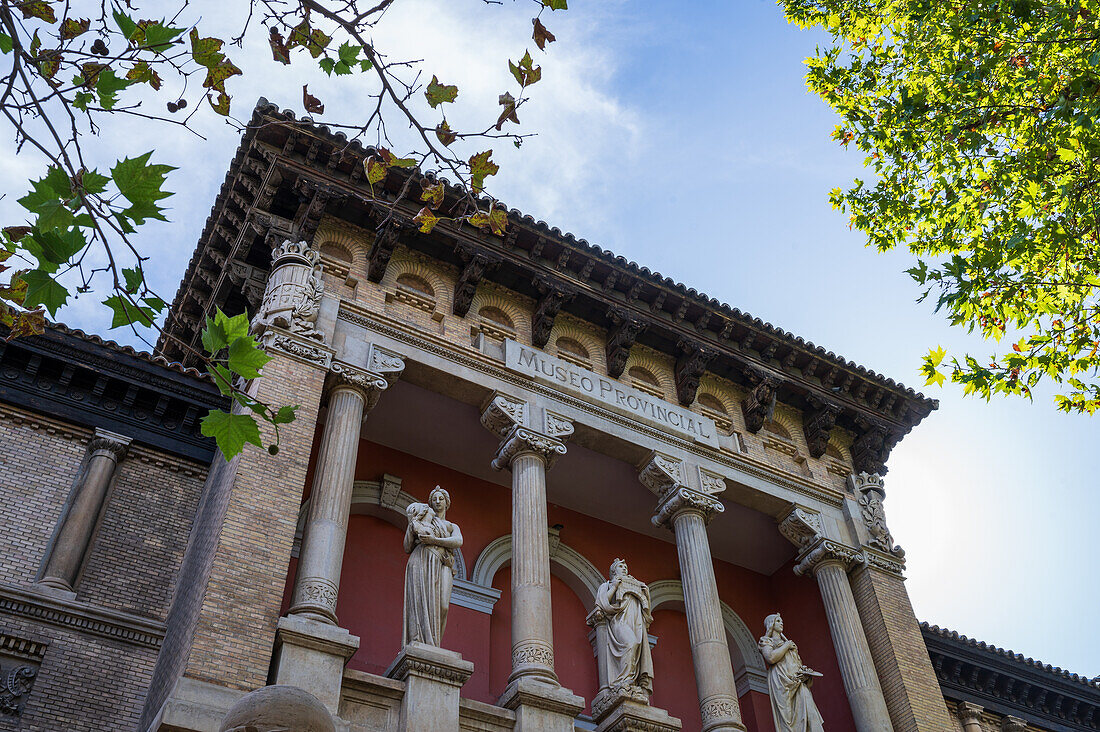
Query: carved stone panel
{"points": [[20, 660]]}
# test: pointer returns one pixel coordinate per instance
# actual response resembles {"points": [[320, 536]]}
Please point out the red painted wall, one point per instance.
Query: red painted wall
{"points": [[371, 598]]}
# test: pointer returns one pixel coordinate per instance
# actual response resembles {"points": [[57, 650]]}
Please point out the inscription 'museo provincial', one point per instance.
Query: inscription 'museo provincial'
{"points": [[549, 369]]}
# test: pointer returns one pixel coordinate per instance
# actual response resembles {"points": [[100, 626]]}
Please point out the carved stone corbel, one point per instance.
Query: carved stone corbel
{"points": [[476, 266], [871, 448], [801, 527], [620, 339], [550, 301], [381, 250], [501, 414], [758, 406], [694, 357], [817, 423]]}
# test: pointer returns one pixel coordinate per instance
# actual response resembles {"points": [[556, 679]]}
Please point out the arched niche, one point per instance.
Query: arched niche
{"points": [[578, 573], [748, 665], [384, 499]]}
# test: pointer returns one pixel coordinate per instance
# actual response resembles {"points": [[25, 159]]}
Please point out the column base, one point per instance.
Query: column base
{"points": [[541, 707], [625, 714], [721, 713], [55, 588], [433, 677], [311, 655]]}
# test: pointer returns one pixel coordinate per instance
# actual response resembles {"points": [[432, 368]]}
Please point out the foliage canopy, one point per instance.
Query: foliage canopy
{"points": [[981, 122]]}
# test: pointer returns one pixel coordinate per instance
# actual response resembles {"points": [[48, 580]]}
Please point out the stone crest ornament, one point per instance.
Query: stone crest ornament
{"points": [[292, 299], [789, 681], [869, 488], [431, 542]]}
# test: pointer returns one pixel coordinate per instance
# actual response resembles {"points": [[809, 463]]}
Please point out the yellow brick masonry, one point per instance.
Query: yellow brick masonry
{"points": [[912, 692], [235, 631]]}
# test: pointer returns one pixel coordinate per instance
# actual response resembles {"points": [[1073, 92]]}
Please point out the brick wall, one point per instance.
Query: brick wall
{"points": [[89, 680], [912, 692]]}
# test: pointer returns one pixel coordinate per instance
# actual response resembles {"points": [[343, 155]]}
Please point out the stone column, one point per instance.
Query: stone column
{"points": [[311, 649], [533, 689], [687, 511], [74, 535], [971, 716], [828, 561], [322, 552]]}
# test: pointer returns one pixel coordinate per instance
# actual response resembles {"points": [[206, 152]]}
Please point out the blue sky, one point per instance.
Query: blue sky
{"points": [[681, 136]]}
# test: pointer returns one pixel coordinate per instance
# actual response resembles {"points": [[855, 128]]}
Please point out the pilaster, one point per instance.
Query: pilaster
{"points": [[909, 683]]}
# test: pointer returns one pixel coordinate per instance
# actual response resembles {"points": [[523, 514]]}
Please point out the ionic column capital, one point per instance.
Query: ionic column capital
{"points": [[969, 712], [824, 553], [523, 441], [383, 368], [683, 500], [109, 444]]}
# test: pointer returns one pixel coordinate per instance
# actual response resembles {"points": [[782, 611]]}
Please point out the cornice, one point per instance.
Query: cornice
{"points": [[399, 331], [587, 280], [80, 617]]}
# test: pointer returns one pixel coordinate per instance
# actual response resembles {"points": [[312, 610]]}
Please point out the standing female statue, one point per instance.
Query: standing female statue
{"points": [[624, 603], [431, 542], [788, 681]]}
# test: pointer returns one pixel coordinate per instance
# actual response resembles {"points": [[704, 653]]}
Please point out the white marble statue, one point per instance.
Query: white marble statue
{"points": [[431, 542], [624, 603], [789, 681]]}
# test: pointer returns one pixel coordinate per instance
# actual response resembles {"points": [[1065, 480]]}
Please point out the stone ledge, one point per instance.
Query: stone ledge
{"points": [[437, 664], [79, 616], [540, 695], [473, 596]]}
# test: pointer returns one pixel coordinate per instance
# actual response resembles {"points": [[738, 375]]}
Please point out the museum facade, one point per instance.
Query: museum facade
{"points": [[620, 456]]}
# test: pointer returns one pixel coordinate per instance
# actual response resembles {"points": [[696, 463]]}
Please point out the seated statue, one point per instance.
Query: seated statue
{"points": [[624, 603], [789, 681], [431, 542]]}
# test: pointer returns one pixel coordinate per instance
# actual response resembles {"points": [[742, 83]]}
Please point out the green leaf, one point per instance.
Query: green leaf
{"points": [[6, 44], [125, 24], [71, 28], [134, 280], [93, 181], [245, 358], [935, 356], [437, 93], [159, 38], [140, 182], [231, 431], [327, 64], [127, 313], [285, 414], [42, 289], [155, 303], [107, 86], [54, 247], [556, 4], [480, 167], [37, 9]]}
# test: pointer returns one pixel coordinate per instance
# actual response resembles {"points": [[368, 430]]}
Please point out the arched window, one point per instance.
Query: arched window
{"points": [[335, 251], [416, 285], [573, 351], [645, 381], [711, 402], [713, 408], [495, 323], [777, 429], [831, 451]]}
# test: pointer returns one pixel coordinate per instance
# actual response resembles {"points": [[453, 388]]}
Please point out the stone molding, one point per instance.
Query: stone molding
{"points": [[533, 652], [801, 527], [720, 710], [80, 617], [883, 562], [870, 492], [305, 350], [502, 413], [541, 695], [523, 441], [825, 552], [429, 662], [661, 473], [316, 636], [473, 596], [437, 346], [618, 713]]}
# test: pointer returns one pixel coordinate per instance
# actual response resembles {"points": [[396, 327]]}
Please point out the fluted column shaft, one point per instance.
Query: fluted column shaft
{"points": [[710, 654], [322, 553], [74, 536], [532, 621], [857, 669]]}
